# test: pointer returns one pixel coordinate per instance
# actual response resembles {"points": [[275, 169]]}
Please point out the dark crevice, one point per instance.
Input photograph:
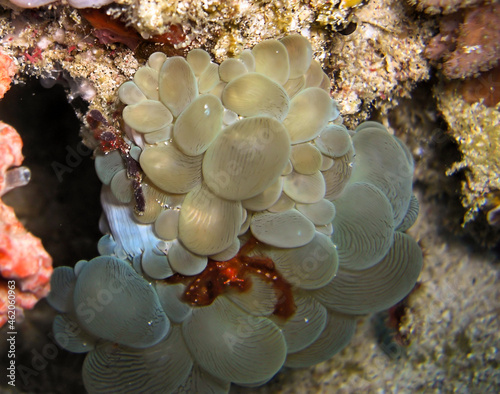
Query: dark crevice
{"points": [[61, 206], [61, 202]]}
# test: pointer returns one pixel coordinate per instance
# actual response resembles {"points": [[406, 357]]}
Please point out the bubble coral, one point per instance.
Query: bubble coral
{"points": [[268, 227]]}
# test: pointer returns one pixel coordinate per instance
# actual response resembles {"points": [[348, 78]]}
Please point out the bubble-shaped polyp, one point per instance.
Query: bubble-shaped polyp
{"points": [[246, 227], [113, 302], [248, 156]]}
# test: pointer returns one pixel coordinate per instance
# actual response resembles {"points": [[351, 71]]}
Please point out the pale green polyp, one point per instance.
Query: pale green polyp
{"points": [[147, 80], [382, 161], [299, 53], [184, 262], [249, 358], [198, 125], [294, 86], [129, 93], [306, 158], [308, 267], [230, 251], [177, 84], [379, 287], [230, 69], [271, 60], [411, 215], [255, 94], [106, 245], [231, 172], [171, 300], [79, 266], [147, 116], [305, 189], [121, 186], [209, 78], [363, 226], [199, 60], [248, 60], [265, 199], [208, 224], [289, 229], [107, 165], [310, 111], [163, 134], [338, 174], [305, 326], [337, 334], [259, 300], [370, 124], [113, 368], [155, 266], [314, 75], [167, 224], [170, 169], [70, 337], [62, 284], [108, 291], [334, 141], [320, 213], [156, 60]]}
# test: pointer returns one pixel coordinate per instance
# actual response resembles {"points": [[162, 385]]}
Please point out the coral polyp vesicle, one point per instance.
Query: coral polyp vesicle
{"points": [[246, 227]]}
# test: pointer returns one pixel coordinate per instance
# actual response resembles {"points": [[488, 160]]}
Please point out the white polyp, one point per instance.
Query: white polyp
{"points": [[289, 229], [185, 262], [16, 177]]}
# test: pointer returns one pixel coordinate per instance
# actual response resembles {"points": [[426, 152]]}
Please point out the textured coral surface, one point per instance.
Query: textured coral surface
{"points": [[477, 129], [7, 71], [22, 256], [468, 42], [467, 48]]}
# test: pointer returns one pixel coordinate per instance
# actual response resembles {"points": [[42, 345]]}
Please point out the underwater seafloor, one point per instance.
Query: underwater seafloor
{"points": [[444, 336]]}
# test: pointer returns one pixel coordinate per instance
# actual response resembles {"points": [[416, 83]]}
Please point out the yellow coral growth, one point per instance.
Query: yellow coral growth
{"points": [[350, 3]]}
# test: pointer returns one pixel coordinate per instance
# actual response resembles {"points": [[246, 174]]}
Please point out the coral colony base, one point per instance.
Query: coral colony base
{"points": [[246, 228]]}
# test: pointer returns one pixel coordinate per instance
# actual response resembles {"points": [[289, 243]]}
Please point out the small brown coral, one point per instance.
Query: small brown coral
{"points": [[469, 44], [486, 87]]}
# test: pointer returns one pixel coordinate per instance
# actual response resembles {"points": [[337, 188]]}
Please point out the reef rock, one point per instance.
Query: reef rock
{"points": [[468, 42]]}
